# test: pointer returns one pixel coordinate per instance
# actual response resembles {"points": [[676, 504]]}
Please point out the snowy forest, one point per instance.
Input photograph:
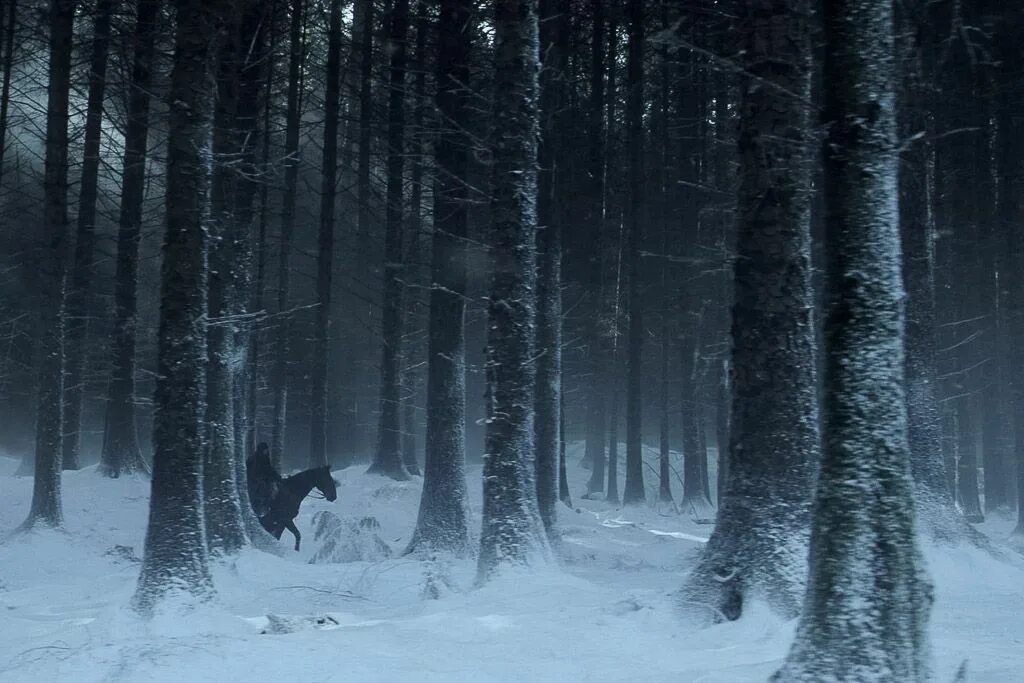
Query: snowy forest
{"points": [[494, 340]]}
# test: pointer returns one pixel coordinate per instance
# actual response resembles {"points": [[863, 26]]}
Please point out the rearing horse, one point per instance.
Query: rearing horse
{"points": [[284, 507]]}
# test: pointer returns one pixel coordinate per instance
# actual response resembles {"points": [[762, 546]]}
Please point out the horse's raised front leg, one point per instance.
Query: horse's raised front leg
{"points": [[290, 526]]}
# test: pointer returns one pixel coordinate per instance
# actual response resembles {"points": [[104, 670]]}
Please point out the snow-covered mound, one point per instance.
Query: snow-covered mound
{"points": [[606, 612]]}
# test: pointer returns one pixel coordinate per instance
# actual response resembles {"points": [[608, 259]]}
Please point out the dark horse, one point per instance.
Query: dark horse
{"points": [[276, 500]]}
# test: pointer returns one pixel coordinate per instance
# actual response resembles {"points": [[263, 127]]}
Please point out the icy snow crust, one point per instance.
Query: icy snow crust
{"points": [[607, 612]]}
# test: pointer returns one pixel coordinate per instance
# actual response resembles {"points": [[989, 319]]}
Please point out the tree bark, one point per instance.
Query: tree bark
{"points": [[759, 541], [121, 453], [633, 493], [388, 460], [865, 613], [325, 242], [594, 217], [291, 179], [552, 184], [175, 557], [77, 295], [512, 530], [443, 521], [46, 490]]}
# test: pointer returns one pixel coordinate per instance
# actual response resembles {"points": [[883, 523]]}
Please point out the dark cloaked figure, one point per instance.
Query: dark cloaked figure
{"points": [[263, 480]]}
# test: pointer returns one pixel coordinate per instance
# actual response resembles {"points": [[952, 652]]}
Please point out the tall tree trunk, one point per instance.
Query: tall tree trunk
{"points": [[121, 452], [595, 217], [46, 499], [865, 612], [563, 478], [175, 558], [77, 295], [252, 60], [411, 374], [325, 242], [388, 460], [916, 194], [759, 541], [291, 179], [512, 530], [225, 530], [552, 183], [443, 519], [633, 493]]}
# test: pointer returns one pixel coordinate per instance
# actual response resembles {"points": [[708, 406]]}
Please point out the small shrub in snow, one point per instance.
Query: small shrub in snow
{"points": [[347, 539]]}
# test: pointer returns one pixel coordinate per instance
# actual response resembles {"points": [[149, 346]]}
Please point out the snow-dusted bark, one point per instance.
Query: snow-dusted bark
{"points": [[46, 500], [866, 608], [758, 547], [633, 492], [512, 530], [77, 295], [121, 452], [388, 458], [443, 522], [175, 557], [934, 502]]}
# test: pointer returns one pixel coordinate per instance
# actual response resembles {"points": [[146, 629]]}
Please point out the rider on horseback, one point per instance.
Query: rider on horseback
{"points": [[263, 479]]}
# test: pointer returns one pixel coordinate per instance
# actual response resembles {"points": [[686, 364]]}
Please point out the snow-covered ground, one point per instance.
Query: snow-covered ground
{"points": [[606, 612]]}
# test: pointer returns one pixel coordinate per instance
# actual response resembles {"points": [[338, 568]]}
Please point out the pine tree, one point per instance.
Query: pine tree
{"points": [[633, 492], [46, 490], [443, 521], [291, 180], [866, 608], [325, 245], [175, 557], [552, 184], [121, 452], [388, 459], [758, 545], [77, 296], [512, 530]]}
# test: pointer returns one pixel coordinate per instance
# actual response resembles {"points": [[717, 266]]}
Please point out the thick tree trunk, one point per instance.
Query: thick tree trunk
{"points": [[633, 493], [512, 530], [865, 613], [176, 557], [77, 295], [758, 545], [325, 242], [121, 452], [291, 179], [388, 460], [443, 519], [46, 499]]}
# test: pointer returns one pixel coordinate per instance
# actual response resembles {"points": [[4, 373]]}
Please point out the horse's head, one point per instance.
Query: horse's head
{"points": [[326, 484]]}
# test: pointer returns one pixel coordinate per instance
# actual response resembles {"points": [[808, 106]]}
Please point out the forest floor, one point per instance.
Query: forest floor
{"points": [[605, 612]]}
